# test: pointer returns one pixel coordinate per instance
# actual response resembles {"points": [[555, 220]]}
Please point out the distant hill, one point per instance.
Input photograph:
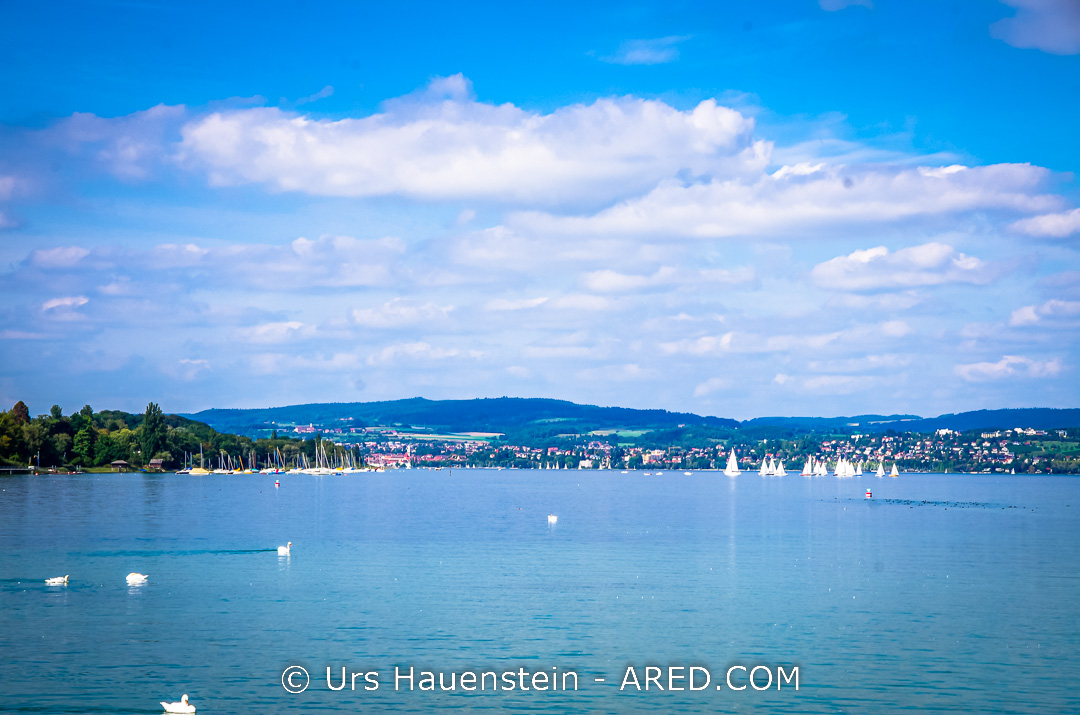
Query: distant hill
{"points": [[508, 415], [1035, 417], [817, 424], [536, 418]]}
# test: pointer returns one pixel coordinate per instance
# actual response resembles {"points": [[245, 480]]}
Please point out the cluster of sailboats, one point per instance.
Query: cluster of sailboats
{"points": [[339, 463], [843, 468]]}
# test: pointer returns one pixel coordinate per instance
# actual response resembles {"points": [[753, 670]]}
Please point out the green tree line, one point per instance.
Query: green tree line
{"points": [[93, 439]]}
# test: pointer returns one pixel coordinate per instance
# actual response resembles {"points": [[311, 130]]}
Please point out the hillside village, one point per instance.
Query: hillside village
{"points": [[1021, 449]]}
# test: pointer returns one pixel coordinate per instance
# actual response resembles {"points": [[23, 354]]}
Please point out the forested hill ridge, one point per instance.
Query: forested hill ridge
{"points": [[525, 419], [521, 417]]}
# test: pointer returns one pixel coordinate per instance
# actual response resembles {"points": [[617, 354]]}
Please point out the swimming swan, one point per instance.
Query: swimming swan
{"points": [[552, 519], [284, 550], [134, 578], [58, 581], [181, 707]]}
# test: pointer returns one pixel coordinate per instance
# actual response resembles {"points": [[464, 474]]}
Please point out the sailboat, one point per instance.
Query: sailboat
{"points": [[880, 469], [764, 471], [779, 469], [895, 472], [732, 468], [858, 469], [808, 468], [201, 469]]}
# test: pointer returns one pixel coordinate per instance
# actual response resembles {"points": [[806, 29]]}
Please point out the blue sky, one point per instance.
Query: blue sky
{"points": [[736, 209]]}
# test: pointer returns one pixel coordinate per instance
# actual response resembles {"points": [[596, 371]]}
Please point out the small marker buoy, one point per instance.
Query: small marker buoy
{"points": [[277, 484], [869, 494]]}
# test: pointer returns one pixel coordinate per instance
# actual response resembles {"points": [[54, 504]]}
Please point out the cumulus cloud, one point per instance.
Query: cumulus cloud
{"points": [[1008, 366], [1031, 314], [607, 280], [417, 350], [506, 304], [59, 257], [456, 147], [824, 197], [1049, 25], [878, 269], [400, 312], [130, 147], [713, 384], [1055, 225], [278, 332], [656, 51], [749, 342]]}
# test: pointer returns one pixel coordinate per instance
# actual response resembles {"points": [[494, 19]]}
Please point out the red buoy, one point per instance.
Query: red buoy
{"points": [[869, 495]]}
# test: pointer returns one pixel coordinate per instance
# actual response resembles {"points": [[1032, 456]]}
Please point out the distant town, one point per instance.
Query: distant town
{"points": [[1019, 449]]}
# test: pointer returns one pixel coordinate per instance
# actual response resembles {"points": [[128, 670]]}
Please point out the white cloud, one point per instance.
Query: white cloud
{"points": [[805, 344], [323, 93], [130, 147], [281, 363], [275, 332], [1049, 25], [455, 147], [616, 373], [415, 351], [790, 201], [713, 384], [609, 281], [505, 304], [1008, 366], [400, 312], [7, 187], [1055, 225], [73, 301], [188, 369], [656, 51], [878, 269], [59, 257], [1031, 314]]}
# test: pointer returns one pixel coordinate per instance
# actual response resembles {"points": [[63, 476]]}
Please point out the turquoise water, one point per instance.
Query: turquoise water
{"points": [[943, 593]]}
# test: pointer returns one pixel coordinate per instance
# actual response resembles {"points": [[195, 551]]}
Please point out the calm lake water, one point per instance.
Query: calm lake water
{"points": [[943, 593]]}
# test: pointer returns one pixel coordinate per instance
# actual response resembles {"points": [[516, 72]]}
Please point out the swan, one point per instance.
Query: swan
{"points": [[58, 581], [181, 707], [134, 578], [552, 519], [284, 550]]}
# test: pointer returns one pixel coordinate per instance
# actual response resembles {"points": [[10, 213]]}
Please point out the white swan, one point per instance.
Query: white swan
{"points": [[284, 550], [134, 578], [552, 519], [58, 581], [181, 707]]}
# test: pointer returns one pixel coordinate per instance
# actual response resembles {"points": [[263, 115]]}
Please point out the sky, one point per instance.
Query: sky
{"points": [[741, 209]]}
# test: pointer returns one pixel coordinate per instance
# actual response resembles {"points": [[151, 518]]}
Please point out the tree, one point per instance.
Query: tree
{"points": [[152, 439], [20, 412], [84, 445], [56, 413]]}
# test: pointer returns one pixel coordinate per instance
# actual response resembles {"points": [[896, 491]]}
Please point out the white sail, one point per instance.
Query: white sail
{"points": [[858, 469], [895, 472], [881, 469], [808, 468], [780, 469], [732, 468], [764, 471]]}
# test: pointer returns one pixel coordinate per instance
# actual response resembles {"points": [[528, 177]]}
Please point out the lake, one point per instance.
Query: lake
{"points": [[941, 593]]}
